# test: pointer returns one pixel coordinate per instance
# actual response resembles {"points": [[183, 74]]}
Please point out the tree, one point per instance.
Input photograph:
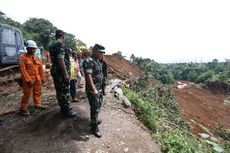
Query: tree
{"points": [[228, 67], [13, 23], [132, 59], [41, 30], [80, 45], [119, 53], [191, 75], [70, 41]]}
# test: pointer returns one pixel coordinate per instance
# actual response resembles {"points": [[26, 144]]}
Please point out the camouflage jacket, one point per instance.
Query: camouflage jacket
{"points": [[93, 66], [57, 52]]}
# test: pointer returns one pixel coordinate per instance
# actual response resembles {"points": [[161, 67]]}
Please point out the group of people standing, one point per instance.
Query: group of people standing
{"points": [[65, 69]]}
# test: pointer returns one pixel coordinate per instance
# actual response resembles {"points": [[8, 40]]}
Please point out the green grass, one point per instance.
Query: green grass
{"points": [[160, 113]]}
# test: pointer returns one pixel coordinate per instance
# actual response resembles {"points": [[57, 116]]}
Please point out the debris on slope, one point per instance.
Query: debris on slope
{"points": [[202, 105], [122, 67]]}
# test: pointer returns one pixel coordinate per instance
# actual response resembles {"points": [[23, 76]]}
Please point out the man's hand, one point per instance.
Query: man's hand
{"points": [[95, 93], [67, 78], [30, 84], [64, 71]]}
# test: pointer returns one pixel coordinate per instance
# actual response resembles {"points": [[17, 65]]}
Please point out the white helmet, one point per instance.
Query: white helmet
{"points": [[31, 44]]}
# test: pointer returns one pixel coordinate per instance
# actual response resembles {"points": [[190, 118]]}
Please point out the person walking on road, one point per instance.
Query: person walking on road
{"points": [[32, 73]]}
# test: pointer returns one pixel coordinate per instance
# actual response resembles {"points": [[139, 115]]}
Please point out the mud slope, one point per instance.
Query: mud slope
{"points": [[203, 106], [122, 66]]}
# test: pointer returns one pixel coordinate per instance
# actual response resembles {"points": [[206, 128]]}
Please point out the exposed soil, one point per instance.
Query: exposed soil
{"points": [[196, 102], [203, 106], [122, 67]]}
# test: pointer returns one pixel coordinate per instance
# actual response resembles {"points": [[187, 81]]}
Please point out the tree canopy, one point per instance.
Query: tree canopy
{"points": [[42, 32], [214, 75]]}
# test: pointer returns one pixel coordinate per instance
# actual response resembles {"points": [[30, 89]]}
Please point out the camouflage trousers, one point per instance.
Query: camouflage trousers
{"points": [[95, 105], [62, 92]]}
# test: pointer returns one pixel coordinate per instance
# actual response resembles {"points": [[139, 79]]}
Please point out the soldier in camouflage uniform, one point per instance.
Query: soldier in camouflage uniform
{"points": [[60, 72], [93, 76]]}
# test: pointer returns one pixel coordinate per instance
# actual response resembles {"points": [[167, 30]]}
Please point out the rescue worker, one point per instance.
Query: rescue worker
{"points": [[32, 75], [93, 77], [60, 71], [104, 71]]}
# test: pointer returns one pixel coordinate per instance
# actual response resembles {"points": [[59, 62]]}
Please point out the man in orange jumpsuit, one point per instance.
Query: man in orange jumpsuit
{"points": [[32, 75]]}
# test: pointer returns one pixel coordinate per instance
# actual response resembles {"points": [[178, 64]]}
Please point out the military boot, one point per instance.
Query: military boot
{"points": [[68, 113], [103, 92], [95, 130], [98, 122]]}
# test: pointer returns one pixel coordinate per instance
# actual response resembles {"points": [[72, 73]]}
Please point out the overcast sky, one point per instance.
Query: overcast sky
{"points": [[163, 30]]}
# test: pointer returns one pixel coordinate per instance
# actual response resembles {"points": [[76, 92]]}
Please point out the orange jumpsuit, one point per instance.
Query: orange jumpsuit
{"points": [[31, 70]]}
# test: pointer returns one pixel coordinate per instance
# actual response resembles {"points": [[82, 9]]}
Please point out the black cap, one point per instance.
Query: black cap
{"points": [[100, 48], [59, 33]]}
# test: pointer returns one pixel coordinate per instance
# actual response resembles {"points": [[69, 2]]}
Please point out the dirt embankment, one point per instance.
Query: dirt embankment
{"points": [[196, 102], [122, 67], [203, 106]]}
